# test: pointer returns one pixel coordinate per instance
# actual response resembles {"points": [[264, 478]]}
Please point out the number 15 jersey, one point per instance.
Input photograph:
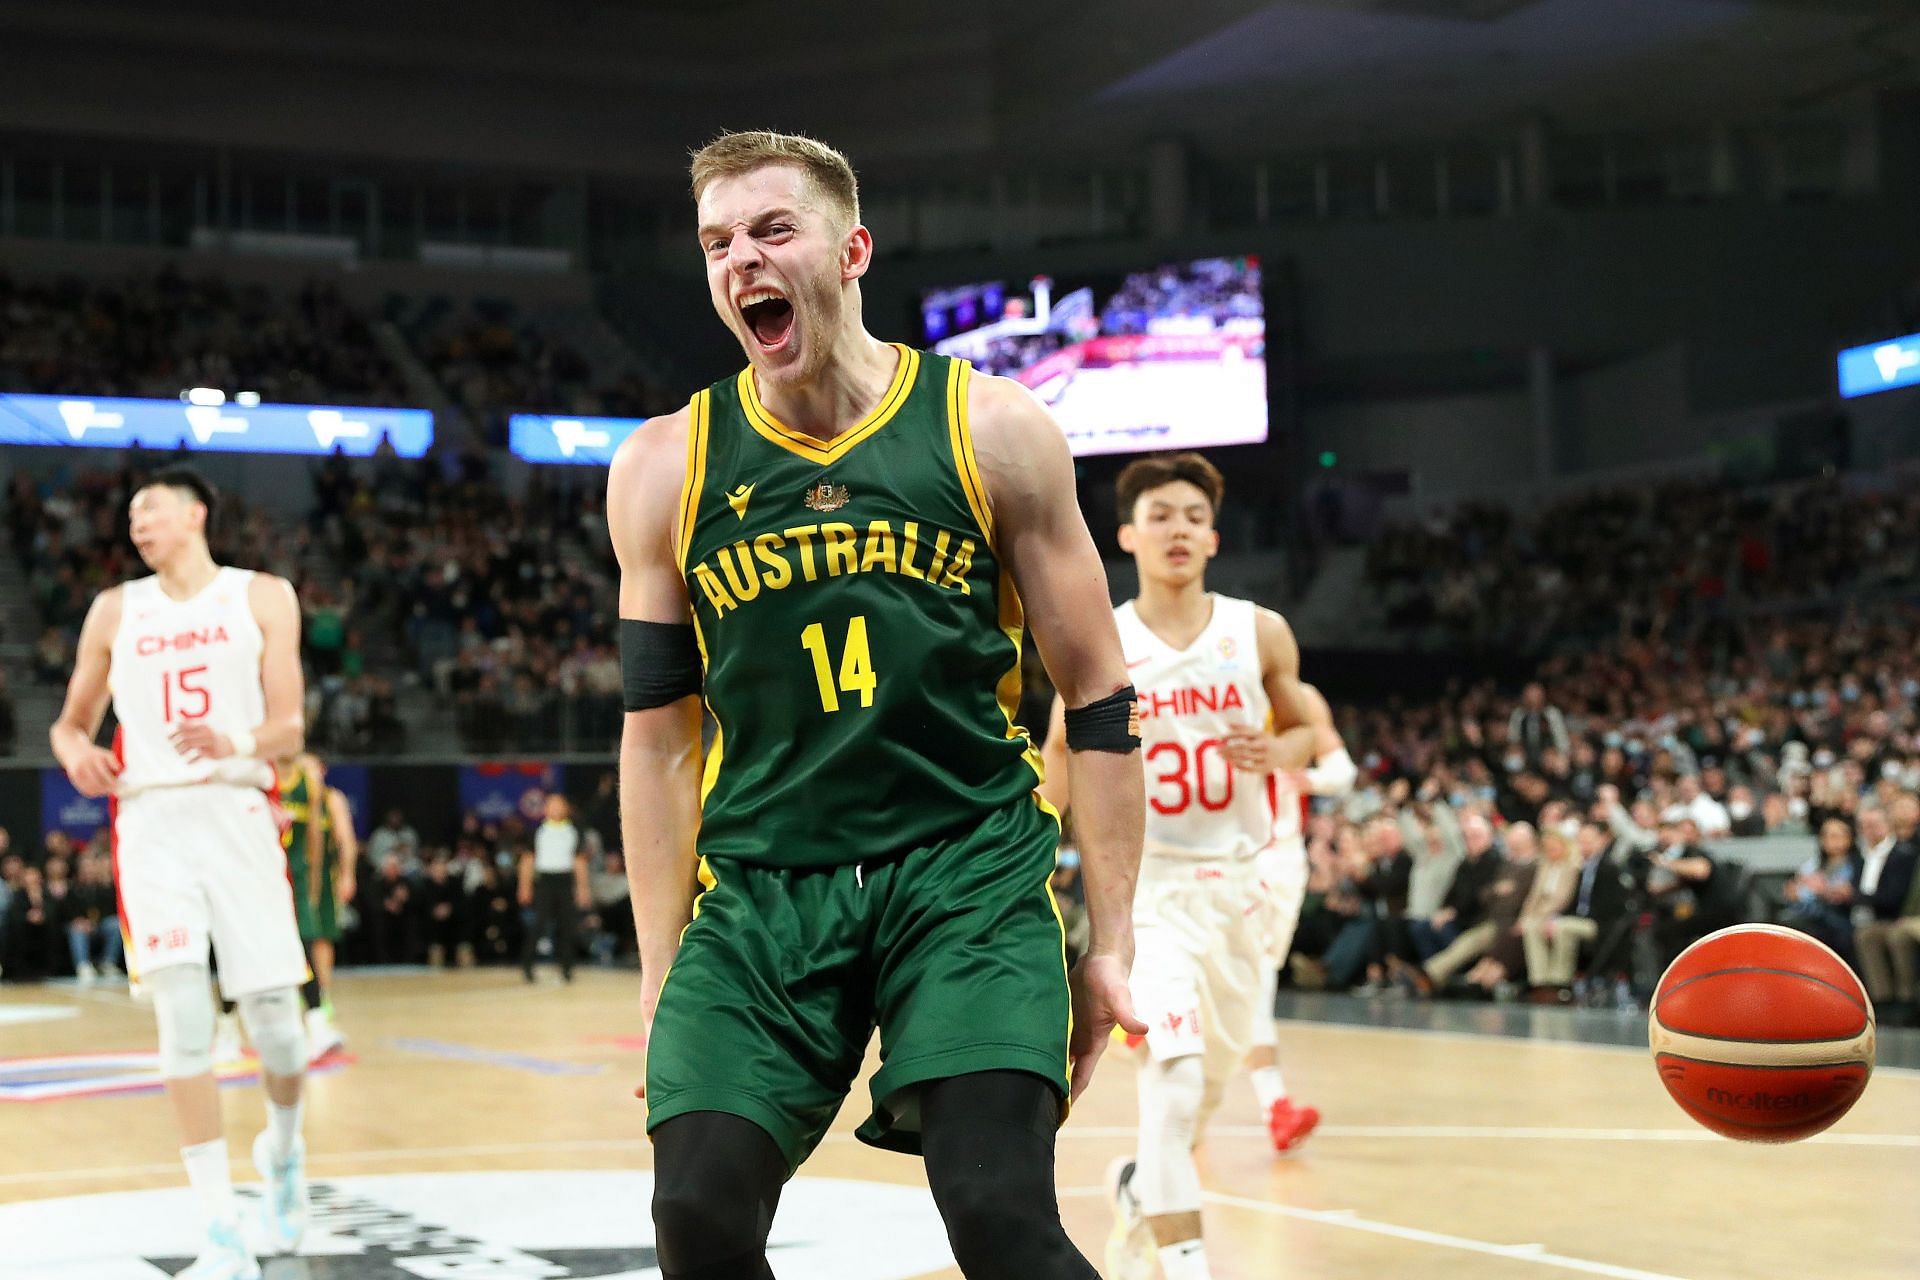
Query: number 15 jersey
{"points": [[860, 635], [180, 660], [1198, 805]]}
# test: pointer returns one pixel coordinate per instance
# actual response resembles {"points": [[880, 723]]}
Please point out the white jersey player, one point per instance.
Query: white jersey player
{"points": [[1212, 675], [202, 665]]}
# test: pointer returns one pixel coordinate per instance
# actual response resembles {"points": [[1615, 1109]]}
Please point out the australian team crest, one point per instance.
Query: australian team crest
{"points": [[827, 496]]}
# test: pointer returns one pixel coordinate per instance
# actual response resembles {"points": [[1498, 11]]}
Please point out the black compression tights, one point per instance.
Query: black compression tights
{"points": [[989, 1149], [989, 1145]]}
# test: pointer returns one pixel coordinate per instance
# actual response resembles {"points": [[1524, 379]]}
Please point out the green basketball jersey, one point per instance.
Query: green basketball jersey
{"points": [[860, 635], [309, 831]]}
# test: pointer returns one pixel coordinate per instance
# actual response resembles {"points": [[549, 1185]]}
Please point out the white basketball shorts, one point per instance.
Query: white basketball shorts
{"points": [[1282, 867], [1199, 949], [203, 863]]}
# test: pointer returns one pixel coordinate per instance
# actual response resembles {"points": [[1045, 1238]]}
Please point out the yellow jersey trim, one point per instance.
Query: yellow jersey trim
{"points": [[960, 434], [710, 769], [703, 872], [1013, 625], [1053, 901], [698, 415], [825, 453]]}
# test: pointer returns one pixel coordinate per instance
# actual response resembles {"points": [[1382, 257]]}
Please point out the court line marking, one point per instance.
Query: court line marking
{"points": [[639, 1144], [1352, 1221], [1506, 1133], [1489, 1037]]}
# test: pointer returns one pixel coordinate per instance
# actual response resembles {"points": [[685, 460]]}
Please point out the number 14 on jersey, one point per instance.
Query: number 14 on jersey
{"points": [[856, 664]]}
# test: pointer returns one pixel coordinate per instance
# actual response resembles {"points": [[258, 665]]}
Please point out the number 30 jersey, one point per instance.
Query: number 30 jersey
{"points": [[859, 632], [179, 660], [1198, 805]]}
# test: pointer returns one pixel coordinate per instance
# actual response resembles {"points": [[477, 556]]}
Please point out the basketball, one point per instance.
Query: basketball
{"points": [[1762, 1034]]}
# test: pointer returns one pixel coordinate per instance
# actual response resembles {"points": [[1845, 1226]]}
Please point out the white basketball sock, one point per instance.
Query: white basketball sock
{"points": [[1186, 1260], [208, 1175], [1268, 1087], [283, 1125]]}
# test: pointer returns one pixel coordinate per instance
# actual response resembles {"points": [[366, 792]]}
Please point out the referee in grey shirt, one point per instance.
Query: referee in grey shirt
{"points": [[553, 881]]}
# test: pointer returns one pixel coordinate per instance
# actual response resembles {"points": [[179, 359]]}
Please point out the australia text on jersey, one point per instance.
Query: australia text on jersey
{"points": [[843, 549]]}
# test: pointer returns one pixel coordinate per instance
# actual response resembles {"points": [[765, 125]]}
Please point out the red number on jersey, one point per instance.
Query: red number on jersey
{"points": [[1175, 775], [1187, 775], [183, 678]]}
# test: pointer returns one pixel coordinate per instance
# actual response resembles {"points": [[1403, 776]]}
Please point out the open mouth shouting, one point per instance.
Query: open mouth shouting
{"points": [[769, 318]]}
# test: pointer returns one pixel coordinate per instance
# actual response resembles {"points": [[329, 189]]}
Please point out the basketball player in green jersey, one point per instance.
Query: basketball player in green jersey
{"points": [[841, 548], [322, 852]]}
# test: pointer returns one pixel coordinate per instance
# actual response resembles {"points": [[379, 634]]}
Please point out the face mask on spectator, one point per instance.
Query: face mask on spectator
{"points": [[1515, 763], [1797, 808], [1739, 809]]}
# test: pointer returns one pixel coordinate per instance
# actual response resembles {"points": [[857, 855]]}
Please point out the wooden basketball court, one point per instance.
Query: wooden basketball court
{"points": [[1443, 1154]]}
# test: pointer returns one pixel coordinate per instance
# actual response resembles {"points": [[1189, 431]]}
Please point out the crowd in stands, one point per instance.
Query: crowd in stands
{"points": [[1484, 575], [408, 573], [1708, 661], [454, 899], [157, 336], [503, 605], [1511, 844], [58, 912], [468, 902], [493, 362]]}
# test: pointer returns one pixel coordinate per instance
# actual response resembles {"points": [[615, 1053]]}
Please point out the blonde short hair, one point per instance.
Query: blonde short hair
{"points": [[732, 154]]}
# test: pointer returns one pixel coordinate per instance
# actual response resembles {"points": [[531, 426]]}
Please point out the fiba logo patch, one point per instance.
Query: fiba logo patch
{"points": [[546, 1225]]}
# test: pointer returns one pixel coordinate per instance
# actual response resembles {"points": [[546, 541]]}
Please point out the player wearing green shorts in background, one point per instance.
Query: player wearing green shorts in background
{"points": [[841, 549], [322, 852]]}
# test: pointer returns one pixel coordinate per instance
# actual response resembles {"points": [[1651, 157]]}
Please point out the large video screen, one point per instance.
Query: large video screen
{"points": [[1170, 358]]}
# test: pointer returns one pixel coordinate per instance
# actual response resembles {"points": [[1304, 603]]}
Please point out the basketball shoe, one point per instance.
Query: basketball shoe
{"points": [[323, 1037], [1289, 1125], [1131, 1253], [283, 1201], [225, 1257]]}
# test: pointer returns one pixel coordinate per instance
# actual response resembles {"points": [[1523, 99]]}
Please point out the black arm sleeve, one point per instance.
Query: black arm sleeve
{"points": [[1111, 724], [659, 663]]}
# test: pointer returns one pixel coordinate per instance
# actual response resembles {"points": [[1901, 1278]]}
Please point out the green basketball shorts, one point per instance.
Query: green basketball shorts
{"points": [[954, 951]]}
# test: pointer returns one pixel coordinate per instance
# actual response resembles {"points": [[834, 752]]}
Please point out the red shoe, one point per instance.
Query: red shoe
{"points": [[1290, 1125]]}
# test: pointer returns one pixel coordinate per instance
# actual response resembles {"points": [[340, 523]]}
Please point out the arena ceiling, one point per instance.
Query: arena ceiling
{"points": [[617, 87]]}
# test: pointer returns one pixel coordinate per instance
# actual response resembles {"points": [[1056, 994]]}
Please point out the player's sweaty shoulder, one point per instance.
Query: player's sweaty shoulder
{"points": [[103, 617], [271, 597], [1021, 450], [645, 479]]}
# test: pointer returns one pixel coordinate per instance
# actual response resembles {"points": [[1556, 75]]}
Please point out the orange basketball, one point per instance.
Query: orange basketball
{"points": [[1762, 1034]]}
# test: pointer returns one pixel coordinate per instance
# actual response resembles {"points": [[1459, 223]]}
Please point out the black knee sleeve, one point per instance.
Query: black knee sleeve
{"points": [[988, 1139], [716, 1183]]}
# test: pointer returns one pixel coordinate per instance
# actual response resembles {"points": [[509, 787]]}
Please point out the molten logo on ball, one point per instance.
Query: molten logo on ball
{"points": [[1762, 1034], [1760, 1101]]}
